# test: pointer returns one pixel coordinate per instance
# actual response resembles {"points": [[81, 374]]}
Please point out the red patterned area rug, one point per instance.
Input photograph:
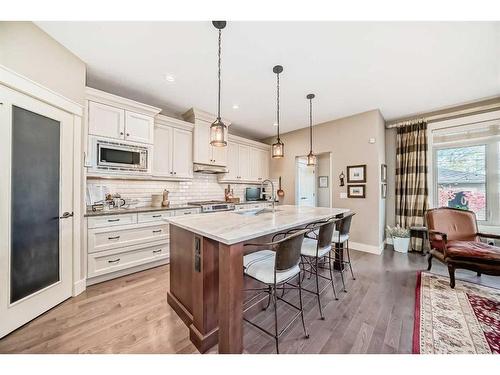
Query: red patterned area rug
{"points": [[464, 320]]}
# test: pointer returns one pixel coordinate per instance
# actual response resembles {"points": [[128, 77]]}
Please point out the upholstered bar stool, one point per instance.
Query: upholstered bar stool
{"points": [[316, 255], [276, 267], [340, 240]]}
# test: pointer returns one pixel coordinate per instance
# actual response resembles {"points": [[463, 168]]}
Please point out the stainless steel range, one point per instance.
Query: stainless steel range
{"points": [[213, 206]]}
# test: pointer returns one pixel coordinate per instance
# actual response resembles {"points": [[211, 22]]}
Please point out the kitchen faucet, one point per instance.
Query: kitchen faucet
{"points": [[262, 190]]}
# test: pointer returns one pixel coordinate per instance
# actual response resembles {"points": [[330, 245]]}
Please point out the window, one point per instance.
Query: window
{"points": [[466, 162]]}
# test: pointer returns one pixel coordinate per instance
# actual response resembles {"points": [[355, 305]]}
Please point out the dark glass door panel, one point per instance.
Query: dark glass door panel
{"points": [[34, 261]]}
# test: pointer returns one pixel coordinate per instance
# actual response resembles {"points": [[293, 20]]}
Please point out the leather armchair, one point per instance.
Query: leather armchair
{"points": [[455, 240]]}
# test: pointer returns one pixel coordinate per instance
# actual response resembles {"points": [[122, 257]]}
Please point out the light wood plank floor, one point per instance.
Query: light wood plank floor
{"points": [[131, 315]]}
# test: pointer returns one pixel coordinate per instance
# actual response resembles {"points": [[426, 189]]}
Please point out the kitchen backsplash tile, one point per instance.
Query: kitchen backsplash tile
{"points": [[201, 187]]}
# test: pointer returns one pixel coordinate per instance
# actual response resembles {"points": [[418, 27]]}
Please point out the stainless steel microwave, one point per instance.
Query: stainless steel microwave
{"points": [[118, 157]]}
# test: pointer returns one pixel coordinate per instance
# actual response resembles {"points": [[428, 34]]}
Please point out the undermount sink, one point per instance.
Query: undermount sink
{"points": [[257, 212]]}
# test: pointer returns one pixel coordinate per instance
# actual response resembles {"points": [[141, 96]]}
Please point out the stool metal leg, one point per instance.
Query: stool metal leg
{"points": [[349, 259], [276, 335], [317, 291], [330, 267], [302, 309], [339, 249]]}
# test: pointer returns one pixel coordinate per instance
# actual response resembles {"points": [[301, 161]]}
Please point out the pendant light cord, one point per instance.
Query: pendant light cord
{"points": [[310, 124], [218, 97], [278, 104]]}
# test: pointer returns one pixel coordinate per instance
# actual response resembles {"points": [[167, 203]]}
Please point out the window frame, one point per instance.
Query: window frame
{"points": [[493, 192]]}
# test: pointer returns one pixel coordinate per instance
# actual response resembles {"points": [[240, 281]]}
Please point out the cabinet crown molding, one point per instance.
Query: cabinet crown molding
{"points": [[248, 142], [176, 123], [120, 102], [194, 115]]}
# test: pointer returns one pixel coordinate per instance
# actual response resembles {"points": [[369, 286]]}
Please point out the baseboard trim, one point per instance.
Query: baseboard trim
{"points": [[79, 287], [367, 248]]}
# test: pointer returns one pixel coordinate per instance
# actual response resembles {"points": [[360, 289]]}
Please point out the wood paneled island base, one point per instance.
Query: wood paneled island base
{"points": [[206, 274]]}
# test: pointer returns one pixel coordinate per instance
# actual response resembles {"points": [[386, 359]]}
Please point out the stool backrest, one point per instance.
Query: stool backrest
{"points": [[325, 232], [344, 224], [288, 251]]}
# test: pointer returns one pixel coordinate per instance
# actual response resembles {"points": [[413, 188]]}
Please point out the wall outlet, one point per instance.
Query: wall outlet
{"points": [[343, 195]]}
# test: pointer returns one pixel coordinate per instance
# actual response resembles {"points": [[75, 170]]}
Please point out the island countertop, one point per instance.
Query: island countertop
{"points": [[230, 227]]}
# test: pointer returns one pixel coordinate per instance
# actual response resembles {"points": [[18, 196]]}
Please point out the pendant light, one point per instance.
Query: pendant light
{"points": [[218, 130], [278, 147], [311, 158]]}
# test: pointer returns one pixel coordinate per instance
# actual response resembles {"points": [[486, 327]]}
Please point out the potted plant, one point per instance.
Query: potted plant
{"points": [[400, 238]]}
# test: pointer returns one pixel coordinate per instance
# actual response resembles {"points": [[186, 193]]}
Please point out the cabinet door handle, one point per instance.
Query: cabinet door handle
{"points": [[157, 231], [157, 251], [187, 213], [121, 133], [175, 172], [113, 238], [114, 260], [113, 220], [155, 216], [128, 134]]}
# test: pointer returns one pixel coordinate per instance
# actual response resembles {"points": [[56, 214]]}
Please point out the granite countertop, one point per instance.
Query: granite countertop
{"points": [[230, 227], [118, 211]]}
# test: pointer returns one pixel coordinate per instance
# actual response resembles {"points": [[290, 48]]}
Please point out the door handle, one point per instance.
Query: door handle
{"points": [[303, 197], [66, 215]]}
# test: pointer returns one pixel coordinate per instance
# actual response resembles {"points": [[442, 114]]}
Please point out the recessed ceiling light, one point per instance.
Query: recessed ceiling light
{"points": [[236, 106], [169, 78]]}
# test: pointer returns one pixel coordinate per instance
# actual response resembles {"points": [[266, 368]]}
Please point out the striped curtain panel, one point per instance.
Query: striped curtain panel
{"points": [[411, 175]]}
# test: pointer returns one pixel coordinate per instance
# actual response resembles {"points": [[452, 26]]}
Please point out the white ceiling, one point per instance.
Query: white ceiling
{"points": [[399, 67]]}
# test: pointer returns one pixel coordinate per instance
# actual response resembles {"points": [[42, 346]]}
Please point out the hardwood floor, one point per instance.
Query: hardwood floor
{"points": [[131, 315]]}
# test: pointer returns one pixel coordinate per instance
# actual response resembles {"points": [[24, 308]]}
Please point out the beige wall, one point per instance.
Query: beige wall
{"points": [[323, 161], [29, 51], [347, 140]]}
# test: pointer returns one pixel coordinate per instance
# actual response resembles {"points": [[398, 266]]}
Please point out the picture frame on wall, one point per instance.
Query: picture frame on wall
{"points": [[323, 181], [356, 173], [384, 191], [383, 173], [356, 191]]}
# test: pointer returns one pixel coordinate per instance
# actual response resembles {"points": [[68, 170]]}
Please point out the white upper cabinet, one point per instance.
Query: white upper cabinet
{"points": [[248, 161], [162, 152], [106, 121], [173, 149], [115, 117], [138, 127], [203, 151], [182, 153]]}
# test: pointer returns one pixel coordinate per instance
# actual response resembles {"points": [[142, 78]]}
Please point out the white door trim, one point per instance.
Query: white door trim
{"points": [[25, 85]]}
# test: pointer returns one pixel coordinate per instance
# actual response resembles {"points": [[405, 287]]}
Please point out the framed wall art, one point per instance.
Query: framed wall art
{"points": [[323, 181], [356, 173], [356, 191]]}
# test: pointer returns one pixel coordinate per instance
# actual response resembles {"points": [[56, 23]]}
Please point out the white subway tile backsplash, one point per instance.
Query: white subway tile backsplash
{"points": [[202, 187]]}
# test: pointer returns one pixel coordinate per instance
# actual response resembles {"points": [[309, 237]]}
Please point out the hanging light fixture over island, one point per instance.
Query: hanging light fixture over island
{"points": [[218, 130], [311, 158], [278, 147]]}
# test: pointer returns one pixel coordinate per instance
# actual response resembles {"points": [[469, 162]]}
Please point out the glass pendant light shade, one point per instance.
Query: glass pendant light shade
{"points": [[218, 133], [218, 130], [278, 149], [311, 159]]}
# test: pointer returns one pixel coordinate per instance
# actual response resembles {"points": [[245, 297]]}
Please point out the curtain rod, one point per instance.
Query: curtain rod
{"points": [[444, 116]]}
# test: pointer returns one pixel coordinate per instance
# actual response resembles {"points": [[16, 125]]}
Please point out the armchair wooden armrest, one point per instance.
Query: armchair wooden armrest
{"points": [[444, 237], [489, 235]]}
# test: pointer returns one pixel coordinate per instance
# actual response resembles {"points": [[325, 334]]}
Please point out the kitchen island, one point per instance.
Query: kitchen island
{"points": [[206, 267]]}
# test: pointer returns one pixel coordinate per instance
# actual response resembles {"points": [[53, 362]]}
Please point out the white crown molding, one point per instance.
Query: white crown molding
{"points": [[18, 82], [194, 115], [118, 101], [176, 123], [249, 142]]}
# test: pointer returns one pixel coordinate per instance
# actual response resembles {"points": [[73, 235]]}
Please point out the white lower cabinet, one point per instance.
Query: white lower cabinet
{"points": [[125, 243], [105, 262]]}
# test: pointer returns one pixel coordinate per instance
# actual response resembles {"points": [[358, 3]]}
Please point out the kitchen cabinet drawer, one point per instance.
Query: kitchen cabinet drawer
{"points": [[187, 211], [101, 239], [145, 217], [115, 260], [111, 220]]}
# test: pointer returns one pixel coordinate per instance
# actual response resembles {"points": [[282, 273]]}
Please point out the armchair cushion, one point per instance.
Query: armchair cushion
{"points": [[472, 250]]}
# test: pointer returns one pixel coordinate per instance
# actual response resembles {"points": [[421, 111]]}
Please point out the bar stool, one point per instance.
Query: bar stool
{"points": [[340, 238], [316, 250], [275, 267]]}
